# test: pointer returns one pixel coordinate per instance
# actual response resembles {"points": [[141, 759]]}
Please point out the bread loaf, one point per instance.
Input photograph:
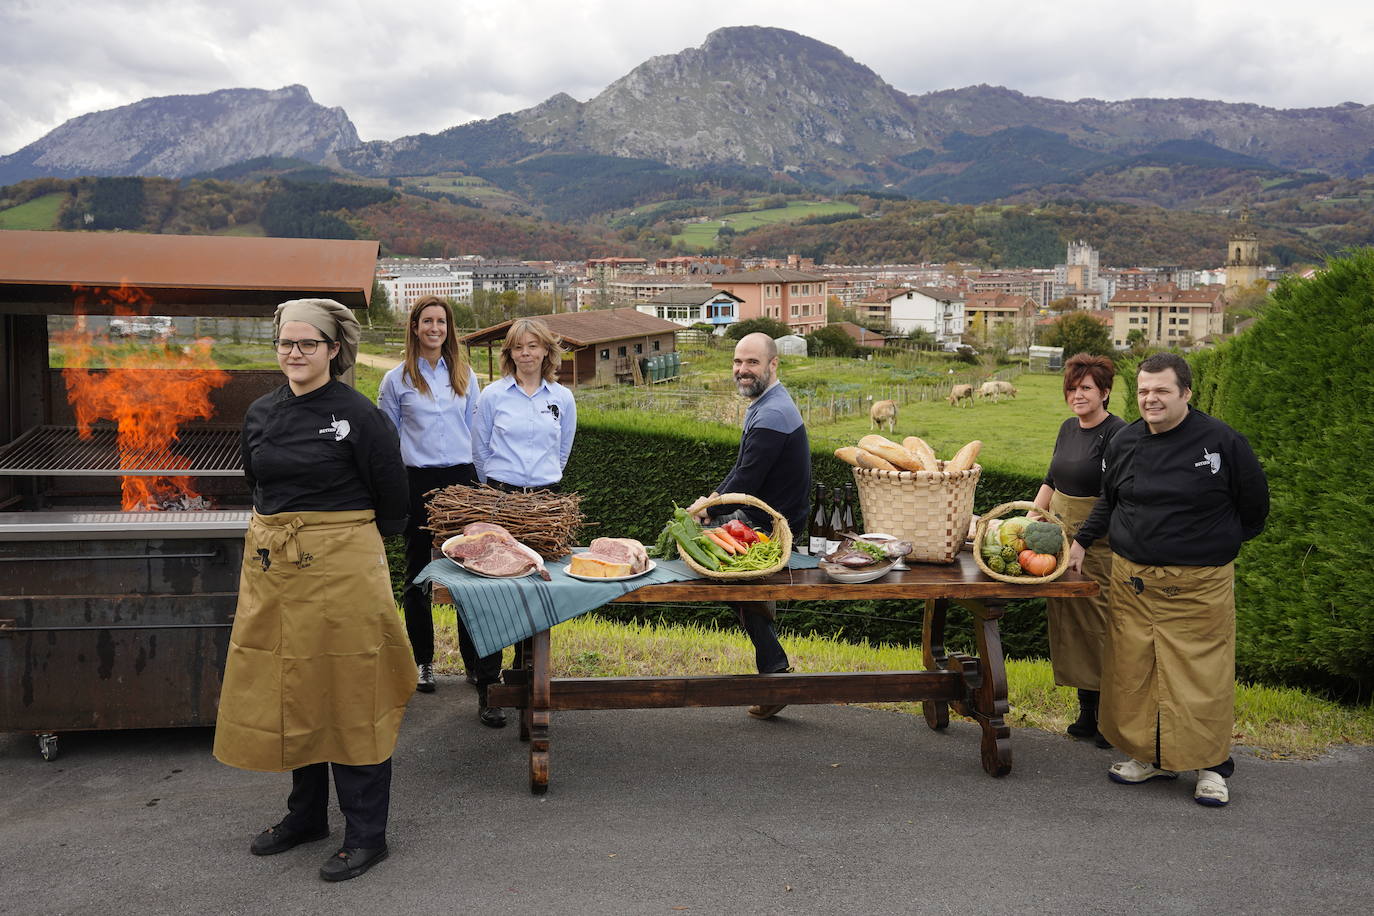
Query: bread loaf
{"points": [[965, 458], [869, 460], [918, 447], [596, 568], [891, 452], [849, 455]]}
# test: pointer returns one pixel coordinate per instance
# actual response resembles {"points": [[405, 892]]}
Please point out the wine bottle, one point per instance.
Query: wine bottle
{"points": [[835, 523], [816, 531], [849, 497]]}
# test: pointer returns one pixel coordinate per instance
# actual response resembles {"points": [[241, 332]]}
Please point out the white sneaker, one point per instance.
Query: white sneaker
{"points": [[1211, 789], [1131, 772]]}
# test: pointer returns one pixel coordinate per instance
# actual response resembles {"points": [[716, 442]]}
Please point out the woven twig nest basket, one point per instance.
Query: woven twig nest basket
{"points": [[781, 533], [1046, 515], [931, 509]]}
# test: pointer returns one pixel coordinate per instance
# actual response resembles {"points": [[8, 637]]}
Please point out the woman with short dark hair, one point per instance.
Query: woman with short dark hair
{"points": [[1078, 626]]}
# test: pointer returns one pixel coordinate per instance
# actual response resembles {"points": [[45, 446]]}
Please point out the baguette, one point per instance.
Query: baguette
{"points": [[878, 463], [965, 458], [849, 454], [891, 452], [918, 447]]}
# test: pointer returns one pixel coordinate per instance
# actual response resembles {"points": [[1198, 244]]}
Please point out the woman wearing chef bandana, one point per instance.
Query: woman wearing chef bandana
{"points": [[319, 668], [523, 432]]}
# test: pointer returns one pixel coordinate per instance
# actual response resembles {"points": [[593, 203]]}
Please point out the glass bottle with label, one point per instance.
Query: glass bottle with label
{"points": [[849, 498], [816, 531], [835, 523]]}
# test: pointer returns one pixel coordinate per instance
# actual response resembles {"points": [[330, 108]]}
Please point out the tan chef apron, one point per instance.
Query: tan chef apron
{"points": [[1078, 626], [319, 666], [1171, 660]]}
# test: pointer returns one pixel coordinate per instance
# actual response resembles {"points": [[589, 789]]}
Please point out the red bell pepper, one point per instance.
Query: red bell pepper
{"points": [[741, 532]]}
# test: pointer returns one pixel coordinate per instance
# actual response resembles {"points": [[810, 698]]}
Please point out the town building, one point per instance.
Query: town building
{"points": [[695, 305], [986, 313], [1243, 268], [794, 297], [1169, 316], [406, 285], [939, 310], [1033, 284]]}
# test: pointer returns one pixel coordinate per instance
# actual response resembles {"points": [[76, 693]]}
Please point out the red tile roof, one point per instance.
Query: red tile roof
{"points": [[583, 329]]}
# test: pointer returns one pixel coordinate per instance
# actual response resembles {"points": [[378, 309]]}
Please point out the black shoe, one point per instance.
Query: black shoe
{"points": [[350, 863], [491, 716], [425, 683], [1085, 726], [1101, 741], [472, 679], [278, 839]]}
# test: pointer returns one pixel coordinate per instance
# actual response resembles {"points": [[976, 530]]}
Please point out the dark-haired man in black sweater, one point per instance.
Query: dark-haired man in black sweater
{"points": [[1180, 492]]}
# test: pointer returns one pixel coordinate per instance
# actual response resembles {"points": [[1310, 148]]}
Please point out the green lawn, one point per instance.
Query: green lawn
{"points": [[39, 213], [702, 235]]}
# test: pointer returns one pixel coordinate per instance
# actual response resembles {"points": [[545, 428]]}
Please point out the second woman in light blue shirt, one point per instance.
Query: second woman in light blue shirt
{"points": [[526, 421]]}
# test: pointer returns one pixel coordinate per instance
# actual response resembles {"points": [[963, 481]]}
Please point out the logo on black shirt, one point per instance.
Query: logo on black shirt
{"points": [[338, 428], [1209, 459]]}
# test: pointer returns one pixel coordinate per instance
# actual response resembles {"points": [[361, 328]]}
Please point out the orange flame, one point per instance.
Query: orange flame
{"points": [[148, 394]]}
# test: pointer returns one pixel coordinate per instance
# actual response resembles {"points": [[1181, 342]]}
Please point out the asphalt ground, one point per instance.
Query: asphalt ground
{"points": [[826, 810]]}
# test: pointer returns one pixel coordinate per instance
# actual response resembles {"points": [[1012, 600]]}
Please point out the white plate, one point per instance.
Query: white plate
{"points": [[477, 572], [856, 576], [636, 575]]}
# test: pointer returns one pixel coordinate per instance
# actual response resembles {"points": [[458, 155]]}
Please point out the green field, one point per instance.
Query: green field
{"points": [[39, 213], [703, 235]]}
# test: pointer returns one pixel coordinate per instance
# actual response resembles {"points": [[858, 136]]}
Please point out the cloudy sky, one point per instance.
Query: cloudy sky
{"points": [[401, 67]]}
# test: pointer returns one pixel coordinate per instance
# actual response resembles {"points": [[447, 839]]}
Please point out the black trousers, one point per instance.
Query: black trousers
{"points": [[757, 619], [416, 601], [364, 797]]}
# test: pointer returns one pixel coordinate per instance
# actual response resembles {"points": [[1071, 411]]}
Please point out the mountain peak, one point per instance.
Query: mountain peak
{"points": [[178, 135]]}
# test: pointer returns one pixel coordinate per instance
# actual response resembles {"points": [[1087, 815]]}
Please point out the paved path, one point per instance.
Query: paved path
{"points": [[378, 362], [824, 810]]}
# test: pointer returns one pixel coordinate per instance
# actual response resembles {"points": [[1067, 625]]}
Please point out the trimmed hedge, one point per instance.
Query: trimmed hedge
{"points": [[1298, 384], [631, 467]]}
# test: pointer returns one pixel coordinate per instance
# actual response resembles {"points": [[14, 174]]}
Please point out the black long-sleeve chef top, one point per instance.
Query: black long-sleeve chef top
{"points": [[1076, 465], [774, 462], [1186, 497], [325, 451]]}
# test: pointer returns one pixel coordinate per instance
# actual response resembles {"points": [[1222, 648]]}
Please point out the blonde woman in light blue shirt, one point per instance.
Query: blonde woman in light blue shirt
{"points": [[526, 421]]}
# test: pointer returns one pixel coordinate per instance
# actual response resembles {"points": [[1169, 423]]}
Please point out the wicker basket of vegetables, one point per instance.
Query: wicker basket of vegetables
{"points": [[1014, 548], [716, 553]]}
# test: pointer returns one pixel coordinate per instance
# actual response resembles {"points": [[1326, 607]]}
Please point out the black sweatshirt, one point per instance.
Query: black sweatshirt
{"points": [[1186, 497], [326, 451], [1076, 465], [774, 463]]}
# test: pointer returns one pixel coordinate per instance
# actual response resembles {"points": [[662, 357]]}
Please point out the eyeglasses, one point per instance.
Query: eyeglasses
{"points": [[306, 346]]}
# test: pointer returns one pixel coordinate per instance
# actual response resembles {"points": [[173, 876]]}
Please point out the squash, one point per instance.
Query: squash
{"points": [[1037, 564]]}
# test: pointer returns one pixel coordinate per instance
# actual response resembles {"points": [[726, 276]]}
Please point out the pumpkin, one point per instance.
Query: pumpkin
{"points": [[1037, 564]]}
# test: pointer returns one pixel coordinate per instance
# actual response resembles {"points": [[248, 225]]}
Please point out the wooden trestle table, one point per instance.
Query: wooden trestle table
{"points": [[974, 686]]}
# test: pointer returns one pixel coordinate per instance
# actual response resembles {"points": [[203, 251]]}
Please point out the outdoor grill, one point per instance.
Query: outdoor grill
{"points": [[114, 619]]}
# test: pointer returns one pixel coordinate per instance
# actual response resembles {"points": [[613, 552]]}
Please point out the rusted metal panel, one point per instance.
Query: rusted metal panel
{"points": [[184, 274], [55, 680]]}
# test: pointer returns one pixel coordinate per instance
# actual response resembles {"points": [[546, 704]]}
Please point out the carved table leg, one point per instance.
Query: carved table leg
{"points": [[539, 714], [933, 653], [990, 697]]}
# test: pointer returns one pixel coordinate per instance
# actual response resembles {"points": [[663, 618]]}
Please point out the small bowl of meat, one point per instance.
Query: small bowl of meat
{"points": [[865, 558]]}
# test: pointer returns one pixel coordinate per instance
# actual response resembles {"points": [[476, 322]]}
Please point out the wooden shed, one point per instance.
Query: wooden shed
{"points": [[602, 345]]}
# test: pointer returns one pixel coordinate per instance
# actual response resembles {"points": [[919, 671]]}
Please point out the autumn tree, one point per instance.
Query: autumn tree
{"points": [[1079, 332]]}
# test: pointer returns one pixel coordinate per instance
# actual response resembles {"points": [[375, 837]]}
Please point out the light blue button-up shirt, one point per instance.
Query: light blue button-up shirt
{"points": [[436, 432], [520, 439]]}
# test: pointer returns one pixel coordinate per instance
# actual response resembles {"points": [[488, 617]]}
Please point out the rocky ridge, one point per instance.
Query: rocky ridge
{"points": [[175, 136]]}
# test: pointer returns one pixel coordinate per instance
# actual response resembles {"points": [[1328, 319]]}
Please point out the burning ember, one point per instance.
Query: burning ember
{"points": [[147, 394]]}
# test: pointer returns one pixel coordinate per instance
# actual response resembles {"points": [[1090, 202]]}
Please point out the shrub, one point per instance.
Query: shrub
{"points": [[1298, 385]]}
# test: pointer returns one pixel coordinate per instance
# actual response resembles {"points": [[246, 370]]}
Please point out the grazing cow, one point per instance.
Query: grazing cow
{"points": [[959, 393], [996, 388], [883, 412]]}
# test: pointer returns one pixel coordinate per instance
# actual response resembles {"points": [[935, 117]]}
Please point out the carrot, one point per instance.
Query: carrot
{"points": [[731, 542], [716, 535]]}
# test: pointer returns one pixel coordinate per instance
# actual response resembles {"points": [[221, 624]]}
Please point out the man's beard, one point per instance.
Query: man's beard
{"points": [[754, 387]]}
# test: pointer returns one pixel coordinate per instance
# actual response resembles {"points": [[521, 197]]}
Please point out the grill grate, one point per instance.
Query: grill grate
{"points": [[60, 451]]}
